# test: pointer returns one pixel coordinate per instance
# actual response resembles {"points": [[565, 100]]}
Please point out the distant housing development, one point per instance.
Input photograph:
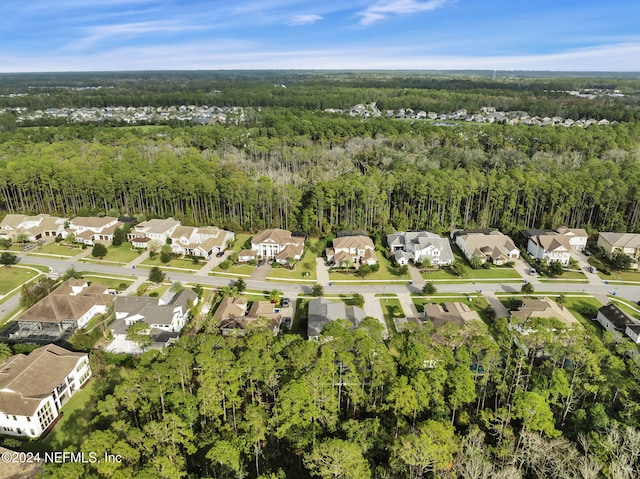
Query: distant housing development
{"points": [[31, 228], [34, 387]]}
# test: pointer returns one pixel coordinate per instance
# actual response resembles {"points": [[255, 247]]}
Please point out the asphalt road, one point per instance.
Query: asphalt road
{"points": [[624, 291]]}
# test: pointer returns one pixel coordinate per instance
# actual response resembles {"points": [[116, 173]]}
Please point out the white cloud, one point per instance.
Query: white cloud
{"points": [[234, 54], [305, 19], [381, 10]]}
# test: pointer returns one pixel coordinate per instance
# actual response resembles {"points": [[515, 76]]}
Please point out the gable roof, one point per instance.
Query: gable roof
{"points": [[276, 236], [158, 226], [92, 221], [616, 316]]}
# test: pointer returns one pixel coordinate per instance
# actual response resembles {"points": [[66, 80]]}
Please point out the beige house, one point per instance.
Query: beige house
{"points": [[628, 243], [278, 244], [89, 229], [355, 250], [488, 245], [33, 227], [449, 312], [158, 230], [34, 388], [201, 242], [233, 317], [68, 307]]}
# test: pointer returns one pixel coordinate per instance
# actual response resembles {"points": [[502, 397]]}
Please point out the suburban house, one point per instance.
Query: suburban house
{"points": [[577, 237], [356, 250], [526, 320], [87, 230], [628, 243], [550, 247], [449, 312], [68, 307], [233, 317], [543, 308], [34, 387], [614, 319], [488, 245], [158, 230], [417, 246], [278, 244], [165, 315], [32, 227], [322, 312], [202, 242]]}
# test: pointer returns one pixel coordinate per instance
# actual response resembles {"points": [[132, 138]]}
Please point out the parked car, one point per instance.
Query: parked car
{"points": [[286, 302], [592, 269], [287, 322], [219, 254], [28, 247], [532, 271], [587, 252]]}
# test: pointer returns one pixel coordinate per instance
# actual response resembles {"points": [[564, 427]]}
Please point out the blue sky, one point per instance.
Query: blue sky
{"points": [[97, 35]]}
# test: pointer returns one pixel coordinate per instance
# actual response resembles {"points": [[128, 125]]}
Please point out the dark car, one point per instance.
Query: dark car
{"points": [[286, 302], [287, 322], [219, 254]]}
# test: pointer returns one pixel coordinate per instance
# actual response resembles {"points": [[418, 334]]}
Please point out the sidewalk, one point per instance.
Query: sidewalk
{"points": [[141, 257]]}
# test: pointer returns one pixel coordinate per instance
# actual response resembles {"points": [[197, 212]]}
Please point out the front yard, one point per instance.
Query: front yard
{"points": [[58, 249], [387, 272], [304, 269], [179, 263], [13, 277]]}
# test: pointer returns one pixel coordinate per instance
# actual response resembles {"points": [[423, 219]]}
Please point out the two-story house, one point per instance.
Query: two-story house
{"points": [[34, 388], [355, 250], [201, 242], [627, 243], [278, 244], [158, 230], [89, 229], [418, 246], [488, 245]]}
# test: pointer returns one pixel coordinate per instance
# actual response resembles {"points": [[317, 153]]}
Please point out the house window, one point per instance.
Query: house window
{"points": [[15, 418], [45, 415], [28, 419]]}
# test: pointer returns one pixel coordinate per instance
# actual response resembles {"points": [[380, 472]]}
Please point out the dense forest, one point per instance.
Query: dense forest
{"points": [[446, 403], [318, 172]]}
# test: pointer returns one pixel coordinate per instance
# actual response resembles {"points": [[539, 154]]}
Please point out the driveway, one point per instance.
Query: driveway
{"points": [[372, 308], [585, 267], [260, 273], [322, 272]]}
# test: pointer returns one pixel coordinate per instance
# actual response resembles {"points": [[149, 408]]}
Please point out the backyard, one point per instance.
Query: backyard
{"points": [[391, 309]]}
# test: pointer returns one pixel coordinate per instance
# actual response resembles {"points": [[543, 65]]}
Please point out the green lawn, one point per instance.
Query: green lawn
{"points": [[630, 276], [58, 249], [160, 289], [110, 282], [304, 269], [234, 270], [566, 276], [391, 309], [122, 253], [174, 263], [494, 272], [12, 277], [577, 305], [386, 272]]}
